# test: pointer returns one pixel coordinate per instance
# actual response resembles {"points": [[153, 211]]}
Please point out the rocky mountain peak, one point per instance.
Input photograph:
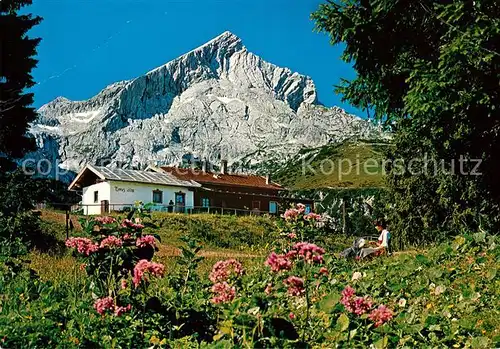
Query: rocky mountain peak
{"points": [[218, 100]]}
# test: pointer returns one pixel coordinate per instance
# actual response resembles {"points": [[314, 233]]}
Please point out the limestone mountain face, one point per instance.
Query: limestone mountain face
{"points": [[217, 101]]}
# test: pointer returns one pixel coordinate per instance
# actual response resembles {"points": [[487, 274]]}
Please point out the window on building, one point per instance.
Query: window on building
{"points": [[273, 207], [255, 205], [157, 197], [205, 202], [96, 196]]}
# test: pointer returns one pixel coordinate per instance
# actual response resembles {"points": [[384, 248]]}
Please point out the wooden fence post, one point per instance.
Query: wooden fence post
{"points": [[344, 225], [67, 223]]}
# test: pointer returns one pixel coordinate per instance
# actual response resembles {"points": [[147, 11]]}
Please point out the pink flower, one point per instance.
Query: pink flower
{"points": [[292, 236], [83, 245], [121, 310], [111, 242], [290, 214], [295, 286], [380, 315], [353, 304], [278, 262], [310, 252], [361, 305], [291, 316], [348, 292], [224, 293], [323, 271], [124, 284], [127, 237], [108, 304], [127, 223], [105, 220], [103, 304], [223, 270], [148, 240], [301, 208], [312, 216], [144, 266]]}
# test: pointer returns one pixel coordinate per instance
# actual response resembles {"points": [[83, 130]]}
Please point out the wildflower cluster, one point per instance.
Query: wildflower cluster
{"points": [[83, 245], [278, 262], [380, 315], [111, 242], [144, 267], [363, 305], [311, 253], [294, 213], [222, 272], [295, 286], [308, 252], [147, 240], [297, 222], [223, 293], [106, 304], [312, 216], [115, 256]]}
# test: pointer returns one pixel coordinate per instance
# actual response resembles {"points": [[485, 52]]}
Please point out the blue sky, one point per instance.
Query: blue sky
{"points": [[88, 44]]}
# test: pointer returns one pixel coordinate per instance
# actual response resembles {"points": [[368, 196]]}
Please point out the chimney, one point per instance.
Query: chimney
{"points": [[204, 165], [268, 179], [223, 167]]}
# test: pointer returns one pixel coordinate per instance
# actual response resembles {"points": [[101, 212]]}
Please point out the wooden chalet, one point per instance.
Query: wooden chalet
{"points": [[221, 190]]}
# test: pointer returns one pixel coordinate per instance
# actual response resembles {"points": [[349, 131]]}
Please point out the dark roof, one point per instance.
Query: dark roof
{"points": [[117, 174], [234, 179]]}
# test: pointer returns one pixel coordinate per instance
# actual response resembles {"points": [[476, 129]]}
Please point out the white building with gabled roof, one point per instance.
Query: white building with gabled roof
{"points": [[104, 189]]}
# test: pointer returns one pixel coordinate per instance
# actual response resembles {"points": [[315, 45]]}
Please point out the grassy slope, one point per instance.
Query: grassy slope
{"points": [[336, 161], [221, 236]]}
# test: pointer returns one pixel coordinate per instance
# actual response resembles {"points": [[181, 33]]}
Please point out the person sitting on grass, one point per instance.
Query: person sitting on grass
{"points": [[384, 239], [383, 243]]}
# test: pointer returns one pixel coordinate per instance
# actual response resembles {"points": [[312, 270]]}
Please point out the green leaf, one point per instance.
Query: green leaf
{"points": [[381, 343], [491, 274], [343, 323], [480, 343], [329, 302], [422, 259]]}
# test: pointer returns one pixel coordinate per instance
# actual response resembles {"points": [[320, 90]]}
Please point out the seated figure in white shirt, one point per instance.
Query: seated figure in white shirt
{"points": [[384, 238]]}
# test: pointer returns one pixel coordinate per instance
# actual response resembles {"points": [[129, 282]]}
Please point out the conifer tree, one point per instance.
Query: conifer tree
{"points": [[17, 60]]}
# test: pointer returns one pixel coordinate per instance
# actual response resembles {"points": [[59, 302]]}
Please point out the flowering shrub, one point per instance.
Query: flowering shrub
{"points": [[145, 267], [148, 240], [116, 251], [111, 242], [363, 305], [223, 272], [83, 245], [223, 292], [297, 223]]}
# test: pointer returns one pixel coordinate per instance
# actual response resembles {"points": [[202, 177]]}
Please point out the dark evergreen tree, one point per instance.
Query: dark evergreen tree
{"points": [[17, 60]]}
